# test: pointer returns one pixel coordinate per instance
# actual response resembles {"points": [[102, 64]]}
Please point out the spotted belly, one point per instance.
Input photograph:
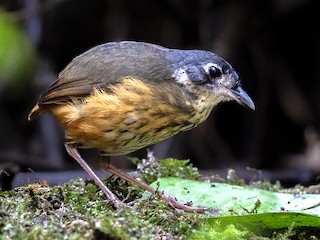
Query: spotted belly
{"points": [[118, 125], [128, 133]]}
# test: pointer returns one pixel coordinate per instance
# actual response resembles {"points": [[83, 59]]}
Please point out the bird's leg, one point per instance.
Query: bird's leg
{"points": [[73, 152], [105, 165]]}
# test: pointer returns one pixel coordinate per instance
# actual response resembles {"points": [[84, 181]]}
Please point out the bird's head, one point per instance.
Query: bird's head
{"points": [[206, 74]]}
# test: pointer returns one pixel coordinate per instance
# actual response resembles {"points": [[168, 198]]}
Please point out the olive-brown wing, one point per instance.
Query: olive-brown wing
{"points": [[105, 65]]}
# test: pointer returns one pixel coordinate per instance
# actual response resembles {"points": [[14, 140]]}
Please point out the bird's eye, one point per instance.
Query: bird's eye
{"points": [[214, 72]]}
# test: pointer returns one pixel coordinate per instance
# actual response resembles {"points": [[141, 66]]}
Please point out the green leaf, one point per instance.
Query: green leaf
{"points": [[271, 220], [243, 212], [225, 199]]}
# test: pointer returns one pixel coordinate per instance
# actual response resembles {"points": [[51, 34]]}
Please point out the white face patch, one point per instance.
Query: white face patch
{"points": [[181, 76]]}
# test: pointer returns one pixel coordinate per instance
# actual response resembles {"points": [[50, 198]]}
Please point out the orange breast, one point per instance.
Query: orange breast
{"points": [[128, 117]]}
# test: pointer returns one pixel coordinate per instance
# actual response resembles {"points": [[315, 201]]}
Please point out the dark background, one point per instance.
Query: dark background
{"points": [[272, 44]]}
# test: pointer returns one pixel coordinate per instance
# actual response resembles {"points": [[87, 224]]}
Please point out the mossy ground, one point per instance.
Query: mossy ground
{"points": [[79, 210]]}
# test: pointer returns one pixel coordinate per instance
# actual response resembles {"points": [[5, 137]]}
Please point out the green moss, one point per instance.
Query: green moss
{"points": [[79, 210], [38, 212], [147, 219], [151, 169]]}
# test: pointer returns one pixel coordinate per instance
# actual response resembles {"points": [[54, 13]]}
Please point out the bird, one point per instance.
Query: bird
{"points": [[119, 97]]}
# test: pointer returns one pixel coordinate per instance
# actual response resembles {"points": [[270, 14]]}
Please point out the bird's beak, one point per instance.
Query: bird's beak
{"points": [[239, 95]]}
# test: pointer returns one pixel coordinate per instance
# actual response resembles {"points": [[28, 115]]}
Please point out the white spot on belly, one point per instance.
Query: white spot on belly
{"points": [[131, 118]]}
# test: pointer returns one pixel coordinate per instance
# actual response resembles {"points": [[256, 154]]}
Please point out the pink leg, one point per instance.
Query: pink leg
{"points": [[106, 166], [73, 152]]}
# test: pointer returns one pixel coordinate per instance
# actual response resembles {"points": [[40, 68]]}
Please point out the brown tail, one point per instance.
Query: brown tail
{"points": [[34, 112]]}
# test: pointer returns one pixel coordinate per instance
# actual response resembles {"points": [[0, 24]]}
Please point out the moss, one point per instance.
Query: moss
{"points": [[151, 219], [39, 212], [150, 169], [79, 210]]}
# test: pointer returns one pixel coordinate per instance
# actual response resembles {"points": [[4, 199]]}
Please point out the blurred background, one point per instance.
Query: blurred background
{"points": [[272, 44]]}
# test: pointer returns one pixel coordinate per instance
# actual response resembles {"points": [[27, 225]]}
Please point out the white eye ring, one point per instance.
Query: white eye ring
{"points": [[208, 69]]}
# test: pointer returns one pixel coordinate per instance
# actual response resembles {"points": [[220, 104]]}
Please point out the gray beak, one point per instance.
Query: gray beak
{"points": [[239, 95]]}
